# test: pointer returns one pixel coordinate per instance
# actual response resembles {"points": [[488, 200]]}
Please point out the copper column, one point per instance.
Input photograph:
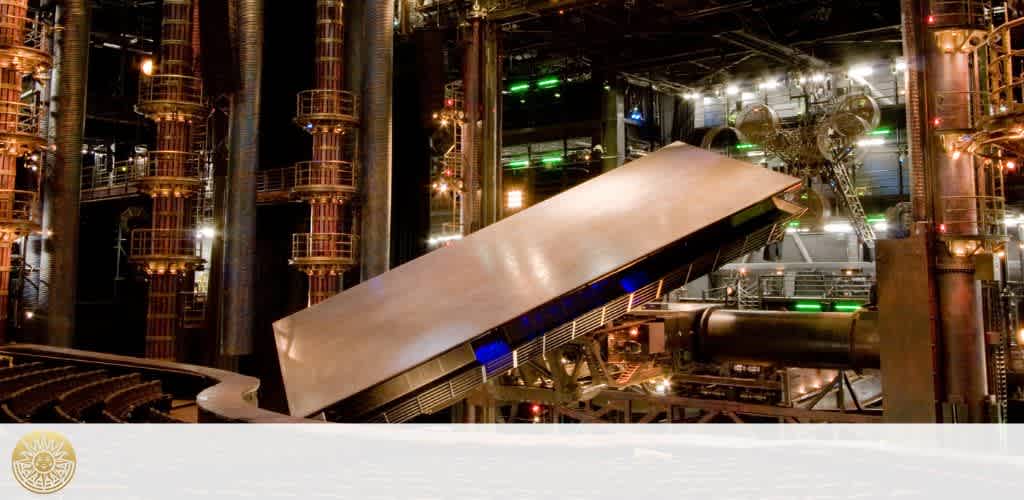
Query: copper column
{"points": [[330, 180], [168, 252]]}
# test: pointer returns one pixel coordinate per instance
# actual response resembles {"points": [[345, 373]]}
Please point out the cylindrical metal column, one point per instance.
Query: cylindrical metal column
{"points": [[472, 130], [379, 30], [168, 251], [330, 180], [491, 197], [240, 229], [949, 96]]}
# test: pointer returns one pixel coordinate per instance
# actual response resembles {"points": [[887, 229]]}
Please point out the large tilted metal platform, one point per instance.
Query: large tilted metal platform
{"points": [[420, 337]]}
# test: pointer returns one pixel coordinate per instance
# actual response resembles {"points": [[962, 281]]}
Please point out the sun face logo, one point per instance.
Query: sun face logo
{"points": [[43, 462]]}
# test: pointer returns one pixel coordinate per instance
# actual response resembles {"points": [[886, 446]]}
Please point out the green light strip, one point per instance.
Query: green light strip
{"points": [[794, 223], [808, 306], [848, 307], [880, 131], [519, 87], [549, 82], [745, 146], [520, 163], [551, 159]]}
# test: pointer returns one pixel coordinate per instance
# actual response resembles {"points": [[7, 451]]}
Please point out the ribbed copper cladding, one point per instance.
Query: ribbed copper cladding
{"points": [[24, 51], [173, 98], [330, 180]]}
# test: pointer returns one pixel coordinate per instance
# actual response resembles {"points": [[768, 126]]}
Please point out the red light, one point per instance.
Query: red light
{"points": [[937, 121], [1010, 165], [451, 102], [942, 228], [931, 19], [535, 408]]}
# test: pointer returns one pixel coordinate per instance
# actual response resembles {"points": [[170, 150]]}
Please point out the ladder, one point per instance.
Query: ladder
{"points": [[848, 193]]}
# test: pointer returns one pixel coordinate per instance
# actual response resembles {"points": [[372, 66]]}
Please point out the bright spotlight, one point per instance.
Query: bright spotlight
{"points": [[732, 90], [147, 67], [860, 71]]}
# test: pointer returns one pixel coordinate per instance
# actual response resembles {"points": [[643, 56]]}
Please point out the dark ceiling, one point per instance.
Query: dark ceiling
{"points": [[692, 42]]}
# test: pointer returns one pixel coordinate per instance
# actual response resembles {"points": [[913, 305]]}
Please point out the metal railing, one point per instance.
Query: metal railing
{"points": [[170, 90], [165, 244], [340, 247], [193, 309], [981, 216], [275, 180], [814, 285], [959, 13], [22, 118], [318, 174], [17, 206], [323, 104], [164, 164], [28, 32]]}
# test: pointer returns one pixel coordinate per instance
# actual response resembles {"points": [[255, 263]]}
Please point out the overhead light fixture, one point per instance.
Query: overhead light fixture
{"points": [[860, 71], [693, 96], [865, 143], [838, 227], [147, 67], [436, 240], [549, 82], [768, 84], [732, 90], [901, 66], [819, 77], [514, 199]]}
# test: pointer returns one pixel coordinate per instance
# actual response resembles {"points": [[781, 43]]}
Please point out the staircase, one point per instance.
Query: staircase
{"points": [[848, 193]]}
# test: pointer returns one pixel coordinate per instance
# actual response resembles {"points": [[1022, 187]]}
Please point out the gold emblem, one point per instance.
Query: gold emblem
{"points": [[43, 462]]}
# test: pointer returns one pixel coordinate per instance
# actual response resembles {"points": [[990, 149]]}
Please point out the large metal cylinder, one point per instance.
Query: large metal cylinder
{"points": [[813, 340], [240, 230], [379, 31]]}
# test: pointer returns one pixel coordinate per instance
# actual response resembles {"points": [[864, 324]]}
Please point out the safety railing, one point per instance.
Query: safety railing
{"points": [[338, 247], [29, 32], [165, 244], [325, 175], [1005, 84], [193, 309], [857, 286], [17, 206], [167, 164], [20, 118], [974, 216], [322, 104], [959, 13], [170, 90], [275, 180]]}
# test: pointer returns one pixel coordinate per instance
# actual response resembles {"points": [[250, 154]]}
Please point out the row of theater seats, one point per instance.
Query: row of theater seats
{"points": [[40, 392]]}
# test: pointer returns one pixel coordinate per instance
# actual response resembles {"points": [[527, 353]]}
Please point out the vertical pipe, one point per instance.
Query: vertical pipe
{"points": [[491, 198], [65, 184], [376, 225], [940, 101], [471, 131], [240, 229]]}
